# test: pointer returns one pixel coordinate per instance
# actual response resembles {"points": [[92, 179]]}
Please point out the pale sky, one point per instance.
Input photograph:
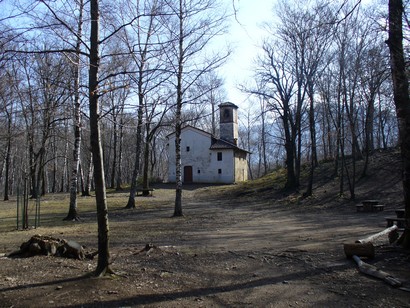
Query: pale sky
{"points": [[245, 35]]}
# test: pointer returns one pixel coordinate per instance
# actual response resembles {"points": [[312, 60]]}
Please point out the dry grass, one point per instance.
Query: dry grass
{"points": [[54, 208]]}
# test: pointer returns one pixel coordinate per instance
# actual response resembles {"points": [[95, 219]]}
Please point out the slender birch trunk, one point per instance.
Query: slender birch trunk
{"points": [[73, 212]]}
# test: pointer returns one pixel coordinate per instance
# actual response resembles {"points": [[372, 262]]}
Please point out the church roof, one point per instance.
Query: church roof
{"points": [[216, 143], [220, 144], [190, 127]]}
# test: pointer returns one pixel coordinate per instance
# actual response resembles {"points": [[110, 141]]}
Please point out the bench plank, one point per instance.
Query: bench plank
{"points": [[391, 221]]}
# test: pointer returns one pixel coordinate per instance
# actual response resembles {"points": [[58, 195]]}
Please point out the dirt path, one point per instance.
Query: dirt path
{"points": [[229, 253]]}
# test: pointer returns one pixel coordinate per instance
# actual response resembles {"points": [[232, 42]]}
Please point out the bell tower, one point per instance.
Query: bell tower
{"points": [[228, 122]]}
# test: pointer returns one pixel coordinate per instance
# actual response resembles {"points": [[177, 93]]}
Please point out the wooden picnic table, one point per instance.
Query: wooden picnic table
{"points": [[370, 206]]}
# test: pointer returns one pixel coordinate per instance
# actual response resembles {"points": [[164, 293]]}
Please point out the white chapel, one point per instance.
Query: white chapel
{"points": [[207, 159]]}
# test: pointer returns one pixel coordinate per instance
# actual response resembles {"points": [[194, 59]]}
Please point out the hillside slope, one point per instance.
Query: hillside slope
{"points": [[382, 182]]}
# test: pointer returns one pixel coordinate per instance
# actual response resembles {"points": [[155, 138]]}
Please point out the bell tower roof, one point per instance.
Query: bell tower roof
{"points": [[228, 104]]}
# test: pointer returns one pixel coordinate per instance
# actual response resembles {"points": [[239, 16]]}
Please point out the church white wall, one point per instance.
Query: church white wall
{"points": [[195, 152]]}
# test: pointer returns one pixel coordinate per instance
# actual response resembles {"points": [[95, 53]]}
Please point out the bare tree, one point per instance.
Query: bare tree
{"points": [[278, 89], [349, 53], [155, 113], [401, 100], [104, 262], [375, 73], [146, 50], [8, 84], [193, 24], [309, 37], [72, 212], [97, 86]]}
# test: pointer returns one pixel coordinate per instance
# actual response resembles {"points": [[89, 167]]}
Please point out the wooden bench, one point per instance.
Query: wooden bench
{"points": [[395, 221], [145, 191]]}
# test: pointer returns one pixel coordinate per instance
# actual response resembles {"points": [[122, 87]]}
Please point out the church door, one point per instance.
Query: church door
{"points": [[188, 174]]}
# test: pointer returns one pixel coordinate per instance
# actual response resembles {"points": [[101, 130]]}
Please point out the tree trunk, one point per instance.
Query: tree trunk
{"points": [[82, 181], [121, 139], [8, 154], [369, 128], [90, 176], [145, 177], [32, 169], [178, 125], [312, 128], [72, 212], [153, 159], [103, 265], [64, 169], [291, 181], [115, 150], [263, 141], [55, 169], [342, 156], [382, 143], [401, 100], [178, 164], [312, 123], [135, 173]]}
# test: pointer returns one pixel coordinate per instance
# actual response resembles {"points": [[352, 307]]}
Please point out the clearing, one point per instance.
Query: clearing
{"points": [[237, 246]]}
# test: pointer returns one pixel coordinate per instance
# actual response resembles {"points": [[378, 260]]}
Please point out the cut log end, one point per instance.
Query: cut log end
{"points": [[364, 250]]}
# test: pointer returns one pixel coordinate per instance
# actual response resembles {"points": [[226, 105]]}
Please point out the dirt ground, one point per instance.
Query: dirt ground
{"points": [[231, 249]]}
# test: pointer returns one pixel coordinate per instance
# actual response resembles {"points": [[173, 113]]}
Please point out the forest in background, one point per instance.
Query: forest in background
{"points": [[321, 90]]}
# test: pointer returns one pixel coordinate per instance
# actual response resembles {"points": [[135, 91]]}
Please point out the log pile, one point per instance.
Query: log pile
{"points": [[50, 246], [365, 248]]}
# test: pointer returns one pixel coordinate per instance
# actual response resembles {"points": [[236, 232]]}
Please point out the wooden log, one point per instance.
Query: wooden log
{"points": [[72, 249], [373, 237], [375, 272], [359, 249]]}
